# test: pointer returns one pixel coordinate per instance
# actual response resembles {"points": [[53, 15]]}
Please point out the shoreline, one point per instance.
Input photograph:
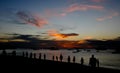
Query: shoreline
{"points": [[18, 61], [19, 53]]}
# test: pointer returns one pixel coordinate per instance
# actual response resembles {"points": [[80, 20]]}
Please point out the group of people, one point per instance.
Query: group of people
{"points": [[93, 62]]}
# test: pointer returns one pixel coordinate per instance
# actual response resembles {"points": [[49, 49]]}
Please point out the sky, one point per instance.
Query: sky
{"points": [[60, 19]]}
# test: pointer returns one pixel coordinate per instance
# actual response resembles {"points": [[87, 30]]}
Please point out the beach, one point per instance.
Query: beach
{"points": [[23, 63]]}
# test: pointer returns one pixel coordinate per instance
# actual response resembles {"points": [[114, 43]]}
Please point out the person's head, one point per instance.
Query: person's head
{"points": [[92, 56]]}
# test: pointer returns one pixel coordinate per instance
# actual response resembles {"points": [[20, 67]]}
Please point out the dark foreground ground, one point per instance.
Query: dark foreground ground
{"points": [[21, 64]]}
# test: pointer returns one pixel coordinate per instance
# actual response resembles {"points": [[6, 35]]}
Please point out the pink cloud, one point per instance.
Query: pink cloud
{"points": [[40, 21], [83, 7], [110, 16], [53, 12], [32, 19], [97, 0], [72, 8], [50, 12], [63, 14]]}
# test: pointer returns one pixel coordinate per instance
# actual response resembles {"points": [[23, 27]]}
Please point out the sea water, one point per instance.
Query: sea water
{"points": [[106, 57]]}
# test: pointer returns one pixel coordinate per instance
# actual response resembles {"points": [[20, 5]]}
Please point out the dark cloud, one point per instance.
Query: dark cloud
{"points": [[59, 35], [69, 34], [14, 16], [42, 33], [8, 15], [117, 39], [30, 38], [14, 34], [2, 38], [29, 18], [63, 27]]}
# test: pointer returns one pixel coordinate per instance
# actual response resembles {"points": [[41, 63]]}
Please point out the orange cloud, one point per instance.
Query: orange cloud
{"points": [[110, 16], [60, 36], [32, 19], [81, 42], [65, 44], [82, 7]]}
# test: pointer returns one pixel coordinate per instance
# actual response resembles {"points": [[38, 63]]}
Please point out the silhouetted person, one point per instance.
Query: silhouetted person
{"points": [[53, 58], [4, 53], [31, 55], [44, 56], [92, 61], [97, 61], [73, 59], [13, 53], [68, 59], [61, 57], [26, 54], [34, 55], [40, 56], [56, 58], [23, 54], [82, 61]]}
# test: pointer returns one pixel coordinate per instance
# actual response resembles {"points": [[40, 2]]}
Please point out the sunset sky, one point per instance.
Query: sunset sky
{"points": [[60, 19]]}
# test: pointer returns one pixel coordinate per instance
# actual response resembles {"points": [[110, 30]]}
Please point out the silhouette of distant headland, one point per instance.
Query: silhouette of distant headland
{"points": [[48, 44]]}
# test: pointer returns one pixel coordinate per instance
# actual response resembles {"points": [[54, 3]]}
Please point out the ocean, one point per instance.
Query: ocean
{"points": [[106, 57]]}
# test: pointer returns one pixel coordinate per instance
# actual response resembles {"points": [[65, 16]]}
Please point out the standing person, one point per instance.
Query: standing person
{"points": [[40, 56], [97, 62], [27, 54], [13, 53], [73, 59], [34, 55], [53, 58], [92, 61], [31, 55], [56, 58], [44, 56], [61, 57], [23, 54], [82, 61], [68, 59], [4, 52]]}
